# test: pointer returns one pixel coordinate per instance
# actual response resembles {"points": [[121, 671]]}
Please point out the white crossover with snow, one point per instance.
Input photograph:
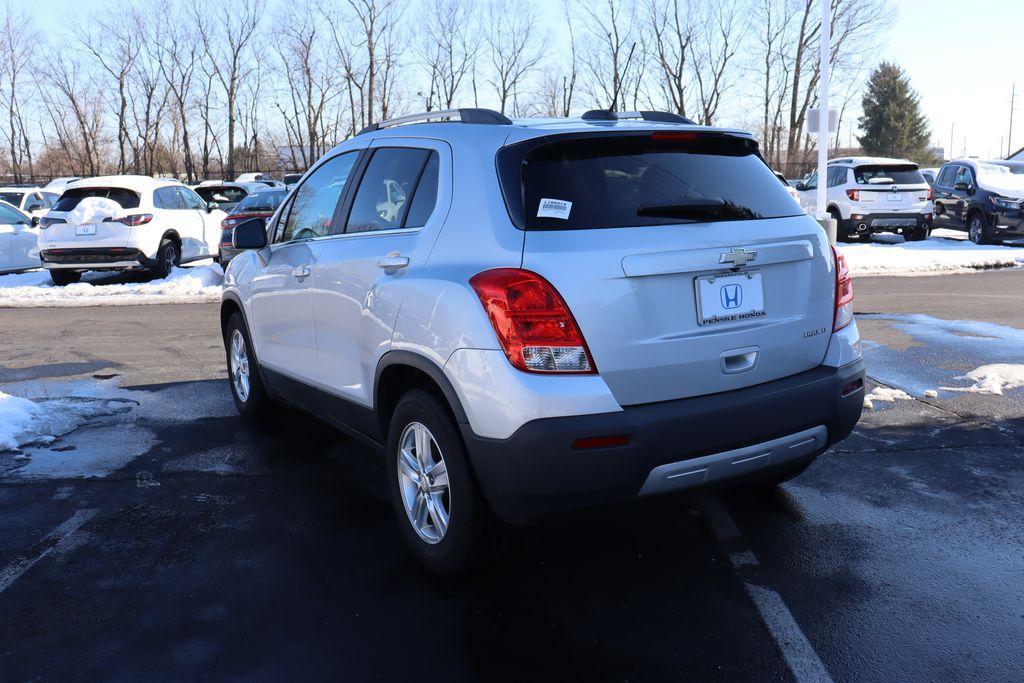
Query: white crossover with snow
{"points": [[126, 223]]}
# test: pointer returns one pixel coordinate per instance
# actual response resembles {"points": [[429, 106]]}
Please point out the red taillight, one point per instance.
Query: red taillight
{"points": [[843, 314], [132, 221], [675, 136], [854, 195], [931, 195], [533, 324]]}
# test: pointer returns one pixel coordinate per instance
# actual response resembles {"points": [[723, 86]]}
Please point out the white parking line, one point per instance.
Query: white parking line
{"points": [[803, 661], [60, 537]]}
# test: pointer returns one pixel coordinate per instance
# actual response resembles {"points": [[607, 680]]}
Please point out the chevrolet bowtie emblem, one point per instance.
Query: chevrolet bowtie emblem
{"points": [[738, 257]]}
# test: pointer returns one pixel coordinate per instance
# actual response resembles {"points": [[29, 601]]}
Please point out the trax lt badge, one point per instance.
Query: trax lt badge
{"points": [[738, 257]]}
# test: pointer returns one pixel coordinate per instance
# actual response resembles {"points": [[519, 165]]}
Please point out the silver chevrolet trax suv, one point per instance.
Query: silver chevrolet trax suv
{"points": [[539, 315]]}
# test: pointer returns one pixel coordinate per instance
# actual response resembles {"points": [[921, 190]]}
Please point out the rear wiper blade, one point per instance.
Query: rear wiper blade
{"points": [[685, 208]]}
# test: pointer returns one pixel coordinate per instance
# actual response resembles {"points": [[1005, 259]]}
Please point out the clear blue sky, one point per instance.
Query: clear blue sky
{"points": [[962, 57]]}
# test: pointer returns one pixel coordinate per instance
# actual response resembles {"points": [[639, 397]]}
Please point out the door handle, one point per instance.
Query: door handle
{"points": [[300, 273], [393, 261]]}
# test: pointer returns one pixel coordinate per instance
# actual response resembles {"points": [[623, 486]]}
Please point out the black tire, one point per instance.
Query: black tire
{"points": [[256, 404], [472, 533], [979, 230], [65, 277], [167, 256], [842, 235], [916, 234]]}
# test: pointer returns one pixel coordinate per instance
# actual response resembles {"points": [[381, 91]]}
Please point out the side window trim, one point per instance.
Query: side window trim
{"points": [[282, 218], [339, 224], [416, 187]]}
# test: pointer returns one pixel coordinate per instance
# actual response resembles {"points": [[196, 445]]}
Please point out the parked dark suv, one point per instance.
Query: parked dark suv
{"points": [[984, 198]]}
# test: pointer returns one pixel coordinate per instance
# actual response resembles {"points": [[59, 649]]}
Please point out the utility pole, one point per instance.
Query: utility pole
{"points": [[952, 151], [1009, 137]]}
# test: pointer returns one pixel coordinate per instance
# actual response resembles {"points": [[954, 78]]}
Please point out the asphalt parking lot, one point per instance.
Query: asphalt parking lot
{"points": [[165, 539]]}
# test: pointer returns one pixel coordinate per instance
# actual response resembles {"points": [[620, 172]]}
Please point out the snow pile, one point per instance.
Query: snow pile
{"points": [[92, 210], [886, 395], [992, 379], [23, 421], [200, 284], [933, 256]]}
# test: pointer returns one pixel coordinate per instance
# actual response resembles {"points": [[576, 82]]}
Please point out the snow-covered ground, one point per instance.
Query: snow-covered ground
{"points": [[992, 379], [947, 251], [885, 395], [188, 285], [39, 421]]}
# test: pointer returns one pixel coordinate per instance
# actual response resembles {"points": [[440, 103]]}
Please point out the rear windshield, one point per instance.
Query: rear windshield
{"points": [[222, 194], [639, 180], [906, 174], [261, 202], [69, 200]]}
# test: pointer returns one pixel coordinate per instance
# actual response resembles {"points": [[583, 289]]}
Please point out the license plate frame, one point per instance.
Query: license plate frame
{"points": [[751, 305], [87, 230]]}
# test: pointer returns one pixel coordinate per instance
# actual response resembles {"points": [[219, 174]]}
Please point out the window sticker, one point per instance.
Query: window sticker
{"points": [[554, 208]]}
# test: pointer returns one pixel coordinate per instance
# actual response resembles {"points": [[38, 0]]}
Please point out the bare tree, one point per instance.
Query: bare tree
{"points": [[672, 33], [713, 50], [18, 39], [608, 51], [82, 134], [179, 54], [512, 47], [447, 52], [113, 39], [228, 43]]}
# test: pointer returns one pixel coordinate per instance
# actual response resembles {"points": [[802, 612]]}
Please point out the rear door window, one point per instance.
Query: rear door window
{"points": [[167, 198], [69, 200], [190, 200], [897, 174], [387, 186], [639, 180]]}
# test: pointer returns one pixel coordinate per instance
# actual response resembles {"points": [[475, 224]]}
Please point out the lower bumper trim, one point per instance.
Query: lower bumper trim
{"points": [[686, 474]]}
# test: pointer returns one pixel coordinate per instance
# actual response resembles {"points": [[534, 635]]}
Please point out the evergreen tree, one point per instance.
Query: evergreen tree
{"points": [[892, 123]]}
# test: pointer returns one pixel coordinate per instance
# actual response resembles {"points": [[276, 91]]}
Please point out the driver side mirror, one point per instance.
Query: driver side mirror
{"points": [[35, 221], [250, 234], [801, 186], [212, 206], [961, 187]]}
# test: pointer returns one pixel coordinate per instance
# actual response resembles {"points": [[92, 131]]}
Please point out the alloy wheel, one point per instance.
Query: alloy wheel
{"points": [[423, 483], [974, 230], [239, 366]]}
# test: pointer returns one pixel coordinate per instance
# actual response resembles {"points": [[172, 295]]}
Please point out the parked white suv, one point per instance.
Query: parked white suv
{"points": [[126, 223], [531, 317], [873, 194]]}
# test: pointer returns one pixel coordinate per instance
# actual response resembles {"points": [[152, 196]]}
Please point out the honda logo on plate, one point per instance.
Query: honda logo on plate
{"points": [[732, 296]]}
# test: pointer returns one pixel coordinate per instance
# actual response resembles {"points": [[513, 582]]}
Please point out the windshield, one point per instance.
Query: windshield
{"points": [[661, 178], [12, 197], [221, 194], [261, 202], [69, 200], [905, 174]]}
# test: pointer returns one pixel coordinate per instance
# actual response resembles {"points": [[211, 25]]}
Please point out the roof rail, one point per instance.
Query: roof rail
{"points": [[470, 115], [660, 116]]}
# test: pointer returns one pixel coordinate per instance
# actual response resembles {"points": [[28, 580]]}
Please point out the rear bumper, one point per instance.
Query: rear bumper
{"points": [[94, 258], [672, 445], [884, 222]]}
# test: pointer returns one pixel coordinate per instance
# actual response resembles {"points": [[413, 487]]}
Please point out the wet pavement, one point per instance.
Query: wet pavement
{"points": [[171, 540]]}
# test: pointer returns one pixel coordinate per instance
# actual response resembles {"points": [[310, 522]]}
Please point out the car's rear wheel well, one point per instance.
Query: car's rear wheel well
{"points": [[395, 381], [174, 237]]}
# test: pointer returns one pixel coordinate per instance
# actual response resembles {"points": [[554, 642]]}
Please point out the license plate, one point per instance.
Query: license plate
{"points": [[729, 297], [85, 230], [895, 196]]}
